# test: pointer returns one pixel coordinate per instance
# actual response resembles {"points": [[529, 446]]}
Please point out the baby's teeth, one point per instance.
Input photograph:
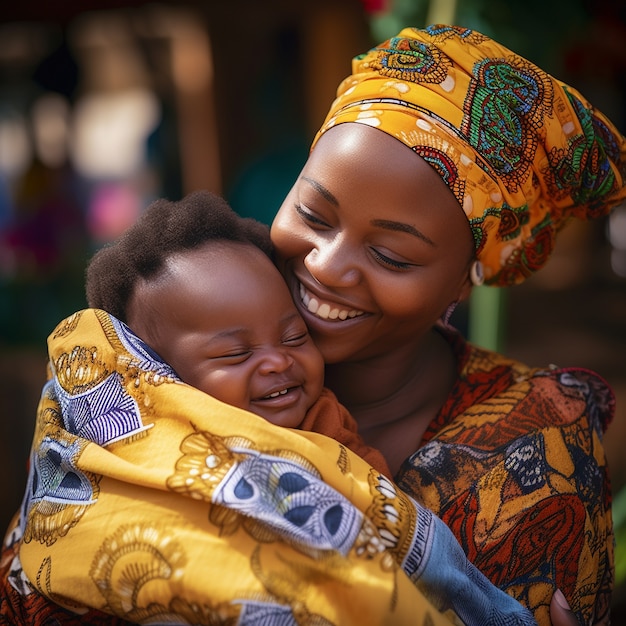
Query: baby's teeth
{"points": [[277, 393]]}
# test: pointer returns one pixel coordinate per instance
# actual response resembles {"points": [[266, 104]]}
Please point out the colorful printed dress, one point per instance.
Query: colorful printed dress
{"points": [[515, 466]]}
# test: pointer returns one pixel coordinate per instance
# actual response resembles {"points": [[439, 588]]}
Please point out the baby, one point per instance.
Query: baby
{"points": [[196, 282]]}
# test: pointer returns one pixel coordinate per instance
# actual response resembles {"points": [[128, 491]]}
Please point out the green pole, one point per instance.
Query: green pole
{"points": [[486, 317], [486, 305], [441, 12]]}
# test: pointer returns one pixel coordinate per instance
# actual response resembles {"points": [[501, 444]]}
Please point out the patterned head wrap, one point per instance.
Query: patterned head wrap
{"points": [[521, 151]]}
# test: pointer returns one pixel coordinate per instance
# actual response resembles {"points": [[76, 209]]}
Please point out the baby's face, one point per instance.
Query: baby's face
{"points": [[223, 318]]}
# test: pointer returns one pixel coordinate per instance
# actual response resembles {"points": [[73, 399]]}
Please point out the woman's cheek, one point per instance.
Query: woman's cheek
{"points": [[280, 235], [407, 300], [290, 240]]}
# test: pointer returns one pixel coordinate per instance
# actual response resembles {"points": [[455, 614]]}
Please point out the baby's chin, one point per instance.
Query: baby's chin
{"points": [[291, 419]]}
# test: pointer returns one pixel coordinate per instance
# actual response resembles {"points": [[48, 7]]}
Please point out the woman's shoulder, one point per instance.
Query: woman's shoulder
{"points": [[491, 386], [514, 451]]}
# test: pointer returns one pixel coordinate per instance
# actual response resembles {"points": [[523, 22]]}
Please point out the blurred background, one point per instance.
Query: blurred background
{"points": [[106, 105]]}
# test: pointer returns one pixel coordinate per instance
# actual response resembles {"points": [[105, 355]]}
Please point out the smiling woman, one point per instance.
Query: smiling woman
{"points": [[154, 502], [476, 158], [370, 249]]}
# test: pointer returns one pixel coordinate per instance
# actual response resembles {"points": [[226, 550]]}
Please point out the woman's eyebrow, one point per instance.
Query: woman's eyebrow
{"points": [[405, 228], [387, 224], [321, 190]]}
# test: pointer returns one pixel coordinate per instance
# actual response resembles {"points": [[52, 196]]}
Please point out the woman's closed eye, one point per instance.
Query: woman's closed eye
{"points": [[309, 217], [390, 263]]}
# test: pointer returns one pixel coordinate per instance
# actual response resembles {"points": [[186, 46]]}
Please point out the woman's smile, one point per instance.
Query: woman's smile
{"points": [[326, 310]]}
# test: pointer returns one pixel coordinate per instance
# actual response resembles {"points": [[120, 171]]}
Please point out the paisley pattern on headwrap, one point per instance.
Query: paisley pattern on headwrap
{"points": [[521, 151]]}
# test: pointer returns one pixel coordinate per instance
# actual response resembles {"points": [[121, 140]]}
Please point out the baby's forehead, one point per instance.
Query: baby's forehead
{"points": [[221, 269], [214, 256], [220, 275]]}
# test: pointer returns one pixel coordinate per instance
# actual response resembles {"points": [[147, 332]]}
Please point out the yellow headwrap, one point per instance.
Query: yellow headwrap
{"points": [[521, 151]]}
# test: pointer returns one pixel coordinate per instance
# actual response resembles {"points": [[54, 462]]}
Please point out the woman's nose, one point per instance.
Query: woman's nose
{"points": [[275, 360], [333, 264]]}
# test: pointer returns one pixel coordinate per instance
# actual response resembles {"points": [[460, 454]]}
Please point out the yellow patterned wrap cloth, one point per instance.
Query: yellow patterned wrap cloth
{"points": [[521, 151], [150, 501]]}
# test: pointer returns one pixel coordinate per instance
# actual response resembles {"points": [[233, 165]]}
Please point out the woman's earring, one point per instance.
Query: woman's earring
{"points": [[448, 314], [476, 274]]}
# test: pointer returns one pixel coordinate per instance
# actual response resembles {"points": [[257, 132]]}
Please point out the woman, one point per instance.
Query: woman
{"points": [[153, 502], [378, 244]]}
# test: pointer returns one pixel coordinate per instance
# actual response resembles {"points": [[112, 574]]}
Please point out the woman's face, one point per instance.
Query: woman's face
{"points": [[372, 243]]}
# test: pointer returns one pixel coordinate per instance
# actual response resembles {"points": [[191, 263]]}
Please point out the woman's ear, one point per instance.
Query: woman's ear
{"points": [[475, 278], [466, 290], [476, 273]]}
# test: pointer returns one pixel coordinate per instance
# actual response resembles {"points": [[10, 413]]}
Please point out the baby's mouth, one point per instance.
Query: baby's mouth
{"points": [[282, 392], [325, 310], [279, 392]]}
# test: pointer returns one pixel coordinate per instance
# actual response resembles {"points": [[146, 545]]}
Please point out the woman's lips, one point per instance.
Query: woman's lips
{"points": [[325, 310]]}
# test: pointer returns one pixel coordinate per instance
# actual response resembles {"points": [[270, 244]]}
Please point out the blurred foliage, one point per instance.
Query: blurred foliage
{"points": [[619, 519], [535, 29]]}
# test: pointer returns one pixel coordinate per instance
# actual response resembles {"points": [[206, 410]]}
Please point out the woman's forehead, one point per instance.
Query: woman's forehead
{"points": [[353, 162]]}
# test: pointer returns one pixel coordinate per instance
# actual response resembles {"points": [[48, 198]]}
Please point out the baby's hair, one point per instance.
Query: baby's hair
{"points": [[165, 228]]}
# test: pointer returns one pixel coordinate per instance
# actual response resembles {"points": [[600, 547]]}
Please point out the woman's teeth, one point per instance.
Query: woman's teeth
{"points": [[324, 310]]}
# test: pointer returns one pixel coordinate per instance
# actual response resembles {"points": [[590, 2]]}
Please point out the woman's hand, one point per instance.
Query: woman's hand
{"points": [[560, 612], [562, 615]]}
